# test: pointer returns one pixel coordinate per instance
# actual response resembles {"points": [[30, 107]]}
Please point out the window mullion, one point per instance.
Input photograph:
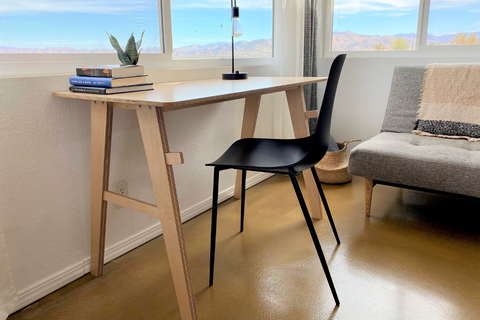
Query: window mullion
{"points": [[422, 30], [167, 27], [328, 26]]}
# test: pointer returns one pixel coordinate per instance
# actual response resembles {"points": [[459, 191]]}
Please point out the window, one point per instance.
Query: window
{"points": [[368, 25], [454, 22], [407, 25], [201, 29], [55, 36], [77, 26]]}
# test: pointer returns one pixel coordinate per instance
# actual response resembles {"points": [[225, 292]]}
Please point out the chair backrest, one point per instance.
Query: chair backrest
{"points": [[322, 131], [321, 135], [404, 99]]}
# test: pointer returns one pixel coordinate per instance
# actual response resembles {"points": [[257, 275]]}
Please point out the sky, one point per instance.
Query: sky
{"points": [[81, 24], [205, 25]]}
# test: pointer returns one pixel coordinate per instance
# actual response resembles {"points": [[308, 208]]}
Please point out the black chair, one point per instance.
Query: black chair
{"points": [[286, 157]]}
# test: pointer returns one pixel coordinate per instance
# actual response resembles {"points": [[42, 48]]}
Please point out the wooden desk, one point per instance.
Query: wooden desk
{"points": [[150, 106]]}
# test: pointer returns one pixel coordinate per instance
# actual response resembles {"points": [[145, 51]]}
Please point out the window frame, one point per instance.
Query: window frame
{"points": [[421, 47], [21, 64]]}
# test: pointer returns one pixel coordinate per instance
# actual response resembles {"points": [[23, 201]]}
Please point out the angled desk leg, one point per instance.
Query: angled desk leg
{"points": [[155, 141], [250, 114], [296, 104], [101, 142]]}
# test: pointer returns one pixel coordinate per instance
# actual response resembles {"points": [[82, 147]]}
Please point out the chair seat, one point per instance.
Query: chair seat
{"points": [[425, 162], [275, 155]]}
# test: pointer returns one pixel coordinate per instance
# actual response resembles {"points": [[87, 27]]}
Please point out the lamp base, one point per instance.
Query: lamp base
{"points": [[235, 76]]}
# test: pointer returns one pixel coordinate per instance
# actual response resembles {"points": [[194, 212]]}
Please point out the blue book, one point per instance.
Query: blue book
{"points": [[107, 82]]}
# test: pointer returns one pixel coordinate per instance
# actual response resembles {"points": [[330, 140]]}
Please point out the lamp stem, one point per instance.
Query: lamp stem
{"points": [[236, 32]]}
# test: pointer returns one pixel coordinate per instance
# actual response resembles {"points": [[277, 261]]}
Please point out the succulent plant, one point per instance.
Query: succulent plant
{"points": [[131, 54]]}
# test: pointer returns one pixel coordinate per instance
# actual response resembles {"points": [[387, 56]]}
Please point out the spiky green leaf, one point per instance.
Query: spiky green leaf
{"points": [[139, 42], [114, 42], [122, 56], [131, 49], [138, 57]]}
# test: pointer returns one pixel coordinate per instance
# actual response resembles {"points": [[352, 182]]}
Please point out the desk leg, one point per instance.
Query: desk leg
{"points": [[296, 104], [152, 127], [101, 140], [250, 114]]}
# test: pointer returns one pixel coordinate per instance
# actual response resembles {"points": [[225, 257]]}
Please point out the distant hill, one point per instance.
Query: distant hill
{"points": [[243, 49], [4, 49], [222, 50], [443, 39], [262, 48], [350, 41]]}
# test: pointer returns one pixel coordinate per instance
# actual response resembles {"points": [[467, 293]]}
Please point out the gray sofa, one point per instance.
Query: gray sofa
{"points": [[397, 157]]}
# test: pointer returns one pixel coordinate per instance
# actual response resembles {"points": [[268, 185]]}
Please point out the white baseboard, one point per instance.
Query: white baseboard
{"points": [[56, 281]]}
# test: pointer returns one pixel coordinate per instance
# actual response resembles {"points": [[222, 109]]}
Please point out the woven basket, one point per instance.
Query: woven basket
{"points": [[333, 168]]}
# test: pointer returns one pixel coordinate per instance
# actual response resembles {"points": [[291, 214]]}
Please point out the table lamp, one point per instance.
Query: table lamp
{"points": [[236, 32]]}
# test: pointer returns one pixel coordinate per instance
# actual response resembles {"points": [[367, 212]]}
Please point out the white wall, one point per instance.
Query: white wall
{"points": [[45, 172], [363, 91]]}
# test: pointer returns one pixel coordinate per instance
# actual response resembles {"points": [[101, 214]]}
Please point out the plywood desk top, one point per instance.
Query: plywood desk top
{"points": [[185, 94]]}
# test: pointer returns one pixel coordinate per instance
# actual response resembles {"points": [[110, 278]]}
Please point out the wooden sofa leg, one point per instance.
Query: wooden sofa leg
{"points": [[368, 195]]}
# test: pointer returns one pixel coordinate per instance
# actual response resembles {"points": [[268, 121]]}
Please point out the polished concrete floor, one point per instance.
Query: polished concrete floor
{"points": [[416, 257]]}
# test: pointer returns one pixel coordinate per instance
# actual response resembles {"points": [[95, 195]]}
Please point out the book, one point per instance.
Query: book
{"points": [[107, 82], [110, 71], [99, 90]]}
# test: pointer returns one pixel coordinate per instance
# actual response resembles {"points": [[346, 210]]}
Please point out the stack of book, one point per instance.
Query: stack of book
{"points": [[108, 79]]}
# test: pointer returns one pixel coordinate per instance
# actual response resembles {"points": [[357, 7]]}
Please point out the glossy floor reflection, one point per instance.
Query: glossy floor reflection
{"points": [[416, 257]]}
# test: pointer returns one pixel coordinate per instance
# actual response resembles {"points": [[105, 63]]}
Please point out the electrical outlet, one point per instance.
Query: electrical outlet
{"points": [[121, 188]]}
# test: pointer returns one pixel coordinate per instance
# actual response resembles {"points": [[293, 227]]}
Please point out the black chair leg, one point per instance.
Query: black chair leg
{"points": [[313, 234], [214, 223], [244, 177], [325, 204]]}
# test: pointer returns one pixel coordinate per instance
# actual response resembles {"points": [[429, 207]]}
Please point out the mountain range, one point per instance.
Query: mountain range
{"points": [[350, 41], [262, 48]]}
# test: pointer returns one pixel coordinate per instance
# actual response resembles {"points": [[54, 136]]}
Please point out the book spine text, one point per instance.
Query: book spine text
{"points": [[88, 90], [91, 81]]}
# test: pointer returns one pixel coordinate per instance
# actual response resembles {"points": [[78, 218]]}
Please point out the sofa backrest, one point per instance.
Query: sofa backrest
{"points": [[404, 99]]}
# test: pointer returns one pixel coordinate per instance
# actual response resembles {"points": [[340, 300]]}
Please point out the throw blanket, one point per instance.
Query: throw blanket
{"points": [[450, 102]]}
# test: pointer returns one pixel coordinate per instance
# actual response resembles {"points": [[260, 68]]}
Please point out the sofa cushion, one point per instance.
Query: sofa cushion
{"points": [[424, 162], [404, 99]]}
